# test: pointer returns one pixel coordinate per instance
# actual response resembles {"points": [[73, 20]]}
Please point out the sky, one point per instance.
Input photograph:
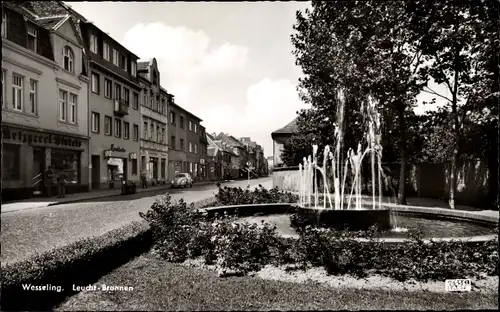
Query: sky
{"points": [[229, 63]]}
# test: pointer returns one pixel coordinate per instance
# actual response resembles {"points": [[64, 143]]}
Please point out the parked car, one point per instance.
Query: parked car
{"points": [[182, 180]]}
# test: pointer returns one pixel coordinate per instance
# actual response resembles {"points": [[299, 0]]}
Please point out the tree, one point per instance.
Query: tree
{"points": [[364, 48], [453, 37]]}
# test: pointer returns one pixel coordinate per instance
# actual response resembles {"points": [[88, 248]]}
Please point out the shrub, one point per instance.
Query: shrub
{"points": [[227, 196], [172, 227], [80, 263], [180, 232], [341, 252]]}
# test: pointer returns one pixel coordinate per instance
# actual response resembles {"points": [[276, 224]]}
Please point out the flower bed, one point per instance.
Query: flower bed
{"points": [[181, 232]]}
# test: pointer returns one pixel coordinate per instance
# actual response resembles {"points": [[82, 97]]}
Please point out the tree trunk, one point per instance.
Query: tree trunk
{"points": [[402, 151]]}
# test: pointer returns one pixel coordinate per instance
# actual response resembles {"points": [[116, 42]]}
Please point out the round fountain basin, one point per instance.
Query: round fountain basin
{"points": [[356, 220], [435, 223]]}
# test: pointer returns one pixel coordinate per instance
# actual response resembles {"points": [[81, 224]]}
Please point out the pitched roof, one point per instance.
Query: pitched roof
{"points": [[212, 151], [51, 21], [288, 129], [142, 65]]}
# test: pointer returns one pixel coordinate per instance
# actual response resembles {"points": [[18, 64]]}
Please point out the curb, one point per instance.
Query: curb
{"points": [[114, 195]]}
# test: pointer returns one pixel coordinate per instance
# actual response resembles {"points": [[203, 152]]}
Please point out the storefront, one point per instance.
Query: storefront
{"points": [[117, 165], [154, 166], [27, 153]]}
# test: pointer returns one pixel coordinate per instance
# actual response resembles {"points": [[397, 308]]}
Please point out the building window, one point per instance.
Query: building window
{"points": [[33, 96], [190, 147], [190, 126], [172, 118], [182, 122], [135, 103], [124, 63], [67, 161], [151, 103], [73, 99], [69, 59], [93, 44], [195, 148], [172, 141], [95, 122], [145, 130], [126, 95], [152, 133], [145, 99], [108, 88], [136, 133], [195, 128], [134, 69], [118, 92], [106, 53], [162, 135], [134, 166], [118, 128], [107, 126], [95, 83], [162, 108], [182, 144], [63, 105], [11, 164], [158, 134], [116, 58], [4, 87], [4, 25], [126, 130], [32, 38], [17, 92]]}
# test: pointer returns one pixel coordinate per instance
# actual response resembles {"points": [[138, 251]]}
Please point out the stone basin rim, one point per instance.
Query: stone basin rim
{"points": [[290, 207]]}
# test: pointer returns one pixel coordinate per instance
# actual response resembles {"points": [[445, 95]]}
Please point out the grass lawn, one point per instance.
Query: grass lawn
{"points": [[159, 285]]}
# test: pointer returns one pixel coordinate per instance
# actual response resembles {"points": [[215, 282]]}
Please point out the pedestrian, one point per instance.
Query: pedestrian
{"points": [[61, 181], [144, 181], [49, 180]]}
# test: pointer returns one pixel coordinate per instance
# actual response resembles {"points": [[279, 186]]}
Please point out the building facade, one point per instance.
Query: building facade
{"points": [[184, 143], [154, 123], [44, 104], [280, 138], [114, 109], [203, 172]]}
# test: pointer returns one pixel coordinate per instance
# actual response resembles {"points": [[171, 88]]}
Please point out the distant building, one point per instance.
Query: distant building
{"points": [[280, 138], [184, 144], [270, 163]]}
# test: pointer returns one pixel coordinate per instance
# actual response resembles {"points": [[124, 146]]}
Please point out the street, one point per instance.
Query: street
{"points": [[25, 232]]}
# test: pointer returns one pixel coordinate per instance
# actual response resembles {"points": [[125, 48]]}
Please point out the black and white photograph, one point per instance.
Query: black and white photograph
{"points": [[250, 155]]}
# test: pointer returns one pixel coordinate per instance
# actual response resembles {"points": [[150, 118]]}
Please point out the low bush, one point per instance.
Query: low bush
{"points": [[227, 196], [80, 263], [181, 232]]}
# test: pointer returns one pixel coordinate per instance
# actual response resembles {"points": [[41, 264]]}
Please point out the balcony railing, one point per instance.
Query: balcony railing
{"points": [[121, 107]]}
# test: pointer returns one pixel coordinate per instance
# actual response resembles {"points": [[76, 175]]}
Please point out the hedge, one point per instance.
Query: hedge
{"points": [[80, 263]]}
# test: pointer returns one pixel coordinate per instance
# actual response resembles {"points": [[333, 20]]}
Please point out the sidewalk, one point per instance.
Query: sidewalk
{"points": [[36, 202]]}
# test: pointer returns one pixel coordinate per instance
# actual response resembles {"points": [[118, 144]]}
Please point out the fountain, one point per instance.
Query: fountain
{"points": [[346, 207], [345, 210]]}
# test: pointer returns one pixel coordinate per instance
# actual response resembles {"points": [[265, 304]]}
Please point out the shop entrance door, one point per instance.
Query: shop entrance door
{"points": [[96, 172], [38, 171], [125, 169]]}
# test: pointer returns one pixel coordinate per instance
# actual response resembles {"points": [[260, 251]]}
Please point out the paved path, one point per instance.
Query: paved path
{"points": [[25, 232]]}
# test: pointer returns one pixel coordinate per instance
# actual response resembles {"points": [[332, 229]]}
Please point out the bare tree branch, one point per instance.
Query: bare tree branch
{"points": [[435, 93]]}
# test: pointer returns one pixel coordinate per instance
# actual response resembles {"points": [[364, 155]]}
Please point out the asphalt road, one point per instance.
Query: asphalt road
{"points": [[37, 230]]}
